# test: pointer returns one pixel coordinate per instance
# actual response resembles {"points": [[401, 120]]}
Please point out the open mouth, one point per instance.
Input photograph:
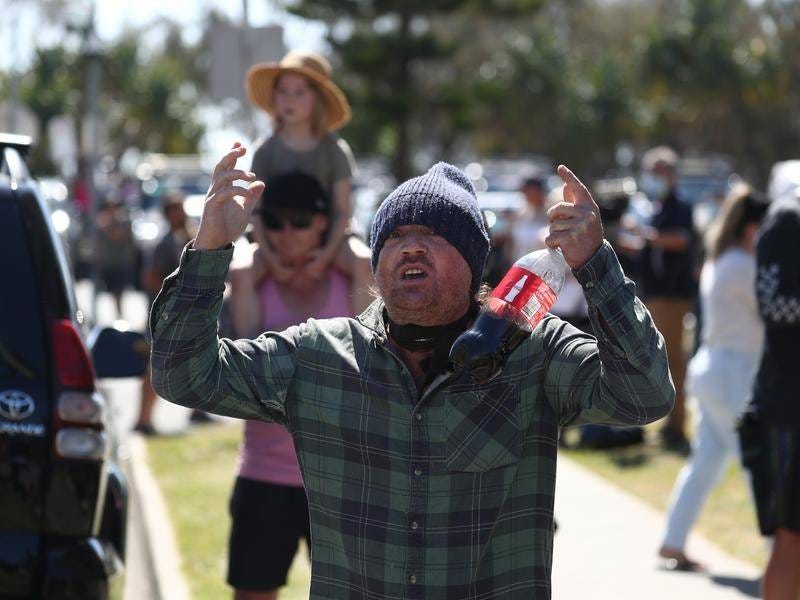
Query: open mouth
{"points": [[412, 273]]}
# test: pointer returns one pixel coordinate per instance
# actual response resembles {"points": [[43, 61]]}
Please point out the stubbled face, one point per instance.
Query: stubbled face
{"points": [[422, 278], [294, 99]]}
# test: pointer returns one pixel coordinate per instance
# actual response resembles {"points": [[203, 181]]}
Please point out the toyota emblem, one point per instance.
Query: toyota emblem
{"points": [[16, 405]]}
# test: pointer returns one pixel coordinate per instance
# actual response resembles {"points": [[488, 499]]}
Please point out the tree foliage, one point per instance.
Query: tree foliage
{"points": [[396, 68], [47, 90], [443, 79], [153, 98], [714, 80], [570, 80], [148, 100]]}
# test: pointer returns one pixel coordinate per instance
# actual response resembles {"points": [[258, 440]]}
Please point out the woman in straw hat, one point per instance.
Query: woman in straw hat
{"points": [[307, 107]]}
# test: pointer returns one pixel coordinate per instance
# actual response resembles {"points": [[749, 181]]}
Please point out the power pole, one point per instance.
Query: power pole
{"points": [[92, 121], [12, 125], [247, 59]]}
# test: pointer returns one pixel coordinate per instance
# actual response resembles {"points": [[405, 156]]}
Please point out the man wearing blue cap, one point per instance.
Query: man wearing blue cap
{"points": [[421, 483]]}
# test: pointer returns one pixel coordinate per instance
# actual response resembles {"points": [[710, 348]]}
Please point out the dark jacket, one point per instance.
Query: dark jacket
{"points": [[665, 273], [776, 393]]}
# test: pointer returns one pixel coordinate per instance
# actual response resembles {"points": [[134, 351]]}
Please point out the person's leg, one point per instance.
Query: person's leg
{"points": [[782, 577], [144, 424], [695, 482], [353, 259], [302, 518], [118, 303], [668, 314], [245, 595], [263, 541]]}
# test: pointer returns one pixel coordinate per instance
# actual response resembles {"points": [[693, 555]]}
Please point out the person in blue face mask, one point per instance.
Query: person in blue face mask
{"points": [[668, 282]]}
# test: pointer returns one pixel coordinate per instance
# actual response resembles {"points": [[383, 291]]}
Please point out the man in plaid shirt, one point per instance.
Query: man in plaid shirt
{"points": [[421, 483]]}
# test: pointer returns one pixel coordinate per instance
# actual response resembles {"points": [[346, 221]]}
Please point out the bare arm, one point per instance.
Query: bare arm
{"points": [[674, 240], [340, 219]]}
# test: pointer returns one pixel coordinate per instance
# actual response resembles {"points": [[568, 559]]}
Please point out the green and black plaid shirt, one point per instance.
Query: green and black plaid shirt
{"points": [[447, 494]]}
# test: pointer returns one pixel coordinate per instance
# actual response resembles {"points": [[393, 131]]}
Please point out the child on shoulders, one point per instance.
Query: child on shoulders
{"points": [[307, 107]]}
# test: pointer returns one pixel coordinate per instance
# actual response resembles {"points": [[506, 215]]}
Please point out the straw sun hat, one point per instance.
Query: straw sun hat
{"points": [[260, 84]]}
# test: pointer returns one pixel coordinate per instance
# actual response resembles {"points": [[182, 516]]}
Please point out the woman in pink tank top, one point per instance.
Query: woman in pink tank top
{"points": [[268, 507]]}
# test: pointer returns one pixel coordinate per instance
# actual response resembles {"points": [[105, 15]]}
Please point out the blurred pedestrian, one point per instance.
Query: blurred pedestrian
{"points": [[268, 508], [720, 375], [162, 261], [116, 252], [666, 274], [307, 107], [421, 482], [770, 431], [530, 226]]}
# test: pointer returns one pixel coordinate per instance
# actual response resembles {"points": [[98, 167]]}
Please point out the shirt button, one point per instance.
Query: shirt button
{"points": [[590, 285], [412, 579], [164, 315], [418, 416], [414, 525], [417, 471]]}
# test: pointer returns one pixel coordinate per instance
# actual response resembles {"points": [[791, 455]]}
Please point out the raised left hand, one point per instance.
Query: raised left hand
{"points": [[575, 224]]}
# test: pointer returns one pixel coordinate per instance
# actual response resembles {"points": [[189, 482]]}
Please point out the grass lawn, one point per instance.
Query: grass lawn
{"points": [[195, 472], [728, 518]]}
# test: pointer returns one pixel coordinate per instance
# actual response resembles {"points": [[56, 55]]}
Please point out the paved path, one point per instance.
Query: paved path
{"points": [[606, 544]]}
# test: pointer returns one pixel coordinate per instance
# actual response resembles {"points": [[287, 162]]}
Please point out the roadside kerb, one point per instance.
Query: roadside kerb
{"points": [[159, 536]]}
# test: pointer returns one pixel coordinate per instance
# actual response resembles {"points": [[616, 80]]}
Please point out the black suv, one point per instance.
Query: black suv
{"points": [[62, 497]]}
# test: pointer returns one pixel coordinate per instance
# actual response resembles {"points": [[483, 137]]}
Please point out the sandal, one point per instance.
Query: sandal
{"points": [[683, 564]]}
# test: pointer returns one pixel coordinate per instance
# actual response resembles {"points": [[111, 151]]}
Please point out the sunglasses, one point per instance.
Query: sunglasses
{"points": [[276, 222]]}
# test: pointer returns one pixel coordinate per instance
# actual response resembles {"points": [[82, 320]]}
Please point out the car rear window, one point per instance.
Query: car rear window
{"points": [[22, 351]]}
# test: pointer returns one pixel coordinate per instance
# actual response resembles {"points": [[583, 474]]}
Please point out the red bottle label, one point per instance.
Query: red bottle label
{"points": [[523, 293], [517, 287]]}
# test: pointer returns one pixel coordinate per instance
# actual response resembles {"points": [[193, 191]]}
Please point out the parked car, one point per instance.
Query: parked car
{"points": [[63, 497]]}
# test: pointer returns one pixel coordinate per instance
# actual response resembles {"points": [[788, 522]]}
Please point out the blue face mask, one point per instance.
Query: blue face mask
{"points": [[654, 187]]}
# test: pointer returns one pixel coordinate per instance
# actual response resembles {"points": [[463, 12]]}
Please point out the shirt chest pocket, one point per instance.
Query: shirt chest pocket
{"points": [[483, 428]]}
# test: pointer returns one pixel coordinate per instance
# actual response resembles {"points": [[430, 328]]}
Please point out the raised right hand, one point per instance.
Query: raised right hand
{"points": [[228, 207]]}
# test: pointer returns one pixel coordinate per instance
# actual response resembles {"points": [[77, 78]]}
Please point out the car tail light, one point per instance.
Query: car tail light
{"points": [[81, 407], [81, 443], [77, 403], [73, 366]]}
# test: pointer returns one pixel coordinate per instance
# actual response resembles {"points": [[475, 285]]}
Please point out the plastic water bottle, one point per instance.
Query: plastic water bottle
{"points": [[510, 314]]}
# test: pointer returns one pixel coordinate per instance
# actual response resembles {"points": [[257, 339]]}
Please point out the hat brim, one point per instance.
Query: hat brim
{"points": [[260, 87]]}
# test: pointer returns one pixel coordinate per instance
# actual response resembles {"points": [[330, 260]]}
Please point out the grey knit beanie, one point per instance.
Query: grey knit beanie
{"points": [[444, 200]]}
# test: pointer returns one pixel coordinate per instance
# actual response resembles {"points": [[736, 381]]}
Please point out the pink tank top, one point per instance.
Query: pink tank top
{"points": [[267, 453]]}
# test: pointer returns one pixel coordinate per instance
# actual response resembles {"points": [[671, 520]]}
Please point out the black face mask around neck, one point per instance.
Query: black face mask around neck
{"points": [[438, 338], [423, 338]]}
